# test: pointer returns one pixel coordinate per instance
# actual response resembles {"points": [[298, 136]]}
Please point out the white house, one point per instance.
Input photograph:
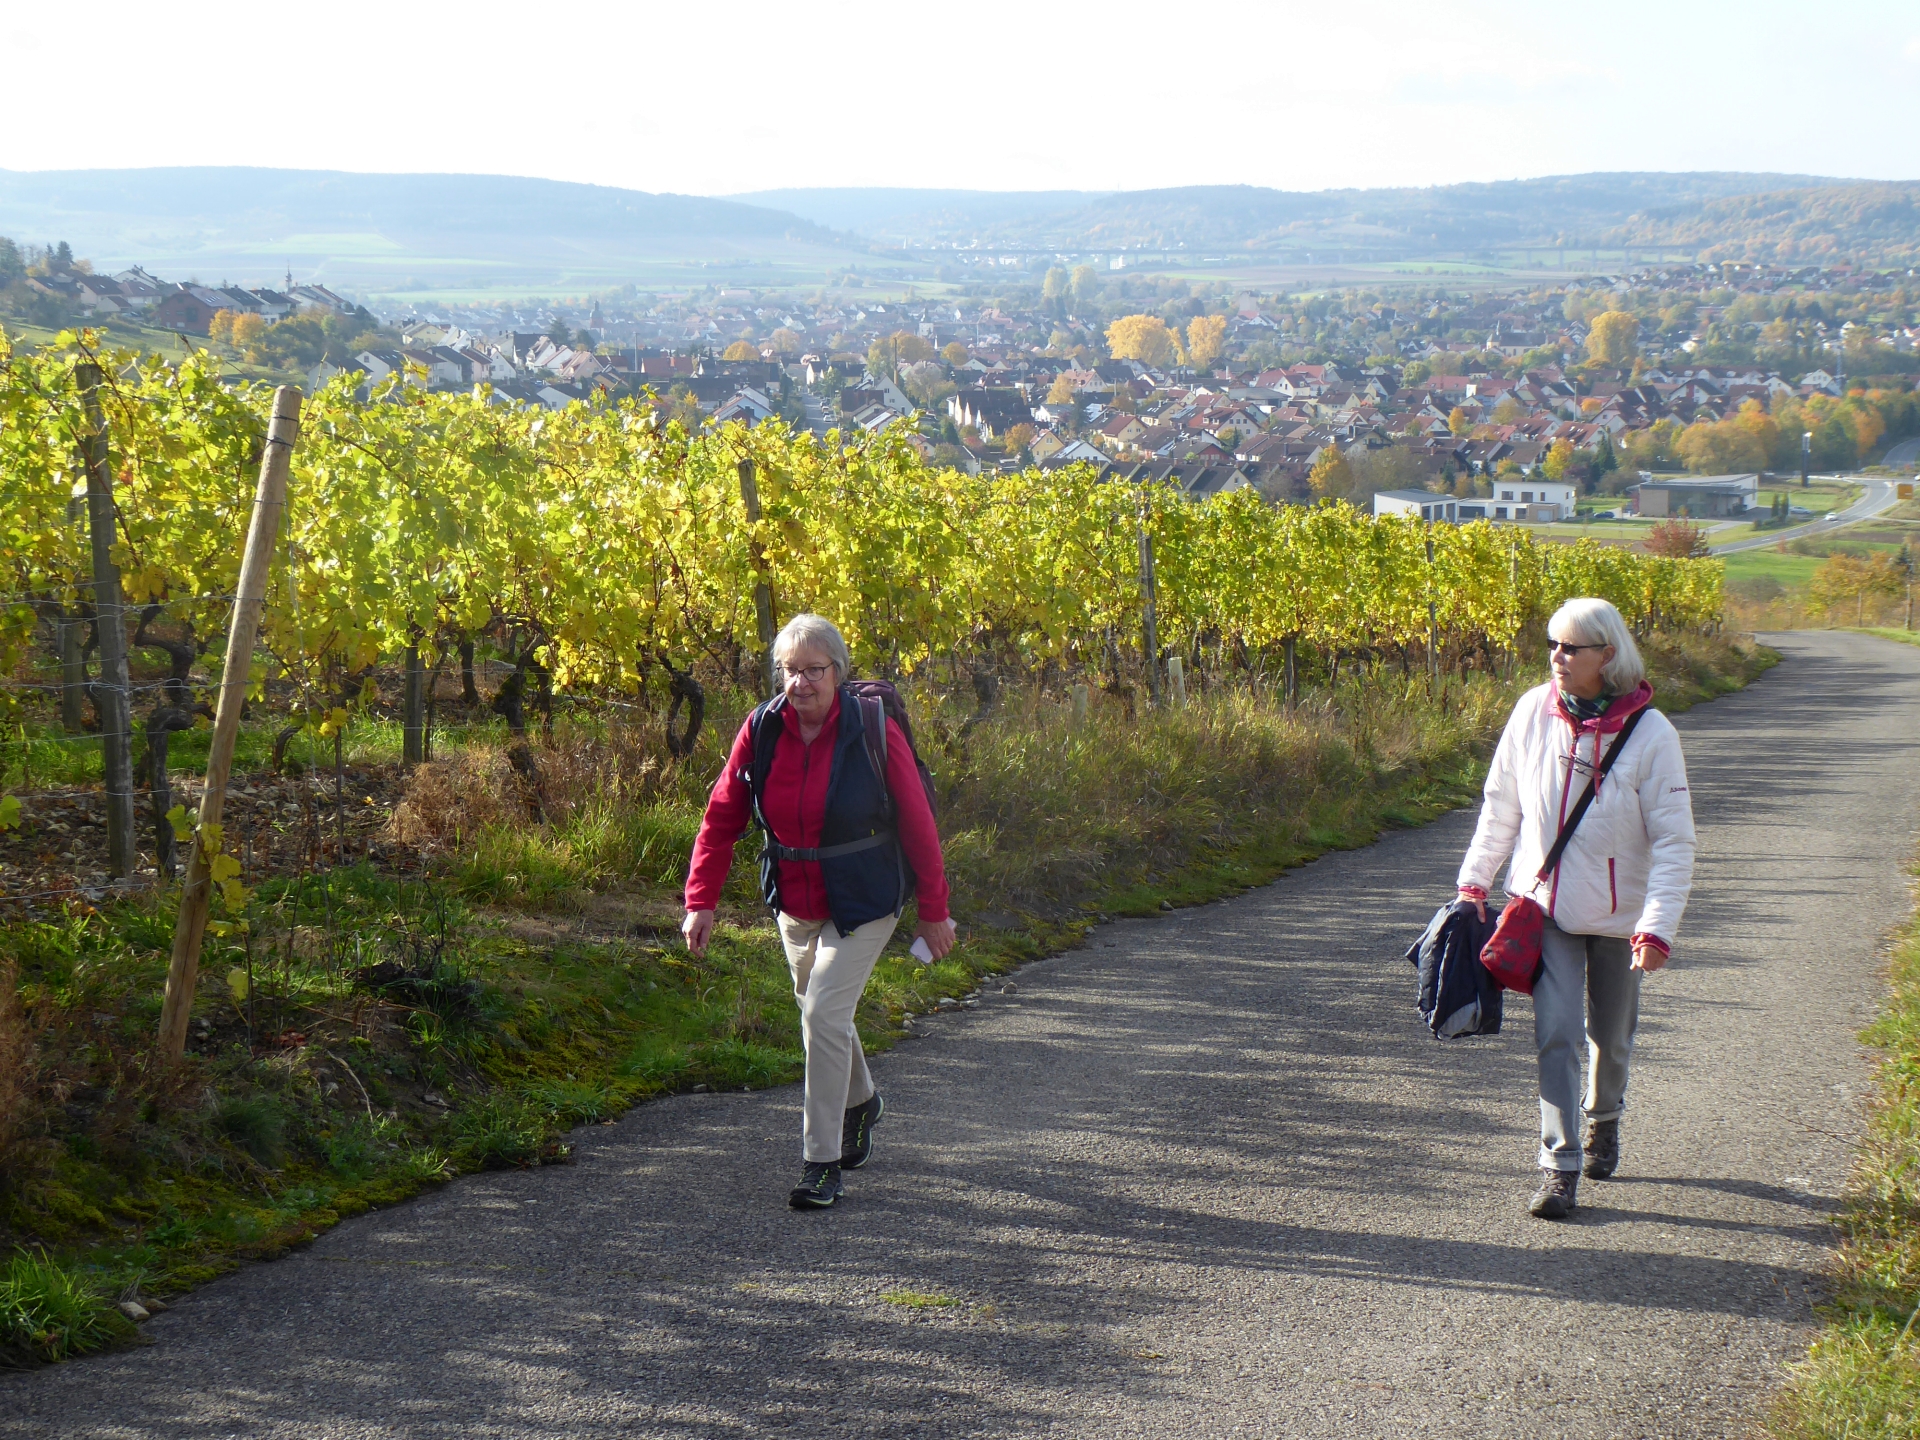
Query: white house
{"points": [[1534, 500], [1417, 505]]}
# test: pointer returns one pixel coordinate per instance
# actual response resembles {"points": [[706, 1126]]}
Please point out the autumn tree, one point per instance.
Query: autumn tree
{"points": [[1086, 284], [1677, 540], [1061, 392], [1850, 577], [926, 384], [1509, 411], [1019, 438], [1741, 442], [1332, 474], [740, 350], [1144, 338], [1559, 459], [1206, 338], [247, 331], [220, 328], [955, 354], [786, 342], [1613, 338], [1057, 285], [889, 353], [1458, 421]]}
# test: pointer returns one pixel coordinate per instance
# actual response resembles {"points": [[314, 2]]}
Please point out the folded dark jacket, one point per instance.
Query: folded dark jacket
{"points": [[1457, 995]]}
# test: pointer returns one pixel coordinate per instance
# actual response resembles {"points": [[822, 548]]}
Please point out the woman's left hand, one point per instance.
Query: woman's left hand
{"points": [[1649, 958], [939, 935]]}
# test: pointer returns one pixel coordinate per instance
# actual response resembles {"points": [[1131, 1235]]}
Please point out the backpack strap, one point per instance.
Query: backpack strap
{"points": [[1586, 799], [873, 731], [761, 740]]}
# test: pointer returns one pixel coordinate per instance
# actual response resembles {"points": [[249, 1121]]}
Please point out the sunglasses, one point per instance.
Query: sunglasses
{"points": [[1567, 647]]}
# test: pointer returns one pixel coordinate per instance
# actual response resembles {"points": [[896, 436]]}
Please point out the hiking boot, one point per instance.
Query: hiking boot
{"points": [[856, 1135], [1603, 1149], [1554, 1200], [819, 1186]]}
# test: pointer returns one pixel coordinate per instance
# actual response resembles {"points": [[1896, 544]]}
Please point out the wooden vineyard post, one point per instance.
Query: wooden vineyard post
{"points": [[413, 728], [1079, 694], [762, 592], [1433, 626], [269, 504], [1291, 675], [1177, 681], [1149, 621], [110, 619]]}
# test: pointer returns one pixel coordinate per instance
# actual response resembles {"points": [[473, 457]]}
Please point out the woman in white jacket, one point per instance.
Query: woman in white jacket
{"points": [[1614, 901]]}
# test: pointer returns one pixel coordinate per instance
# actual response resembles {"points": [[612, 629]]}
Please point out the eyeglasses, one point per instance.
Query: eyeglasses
{"points": [[814, 673], [1567, 647]]}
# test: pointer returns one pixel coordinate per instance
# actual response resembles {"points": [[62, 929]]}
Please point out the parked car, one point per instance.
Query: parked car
{"points": [[1601, 515], [1833, 514]]}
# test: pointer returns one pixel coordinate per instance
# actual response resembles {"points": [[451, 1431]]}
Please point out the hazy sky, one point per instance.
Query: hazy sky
{"points": [[717, 99]]}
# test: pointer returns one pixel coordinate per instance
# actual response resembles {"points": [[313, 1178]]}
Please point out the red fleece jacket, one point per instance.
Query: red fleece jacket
{"points": [[795, 804]]}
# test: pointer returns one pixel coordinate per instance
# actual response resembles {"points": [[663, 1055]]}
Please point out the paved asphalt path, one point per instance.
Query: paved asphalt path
{"points": [[1205, 1176]]}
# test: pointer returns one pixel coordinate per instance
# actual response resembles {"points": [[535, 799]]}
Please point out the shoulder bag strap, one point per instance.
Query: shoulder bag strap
{"points": [[1586, 799]]}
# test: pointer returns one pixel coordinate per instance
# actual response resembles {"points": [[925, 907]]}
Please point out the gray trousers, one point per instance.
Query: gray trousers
{"points": [[1599, 970]]}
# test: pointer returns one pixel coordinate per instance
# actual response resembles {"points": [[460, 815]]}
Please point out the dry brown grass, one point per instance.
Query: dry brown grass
{"points": [[16, 1064]]}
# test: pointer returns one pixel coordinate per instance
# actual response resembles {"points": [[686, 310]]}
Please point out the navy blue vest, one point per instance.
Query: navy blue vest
{"points": [[872, 880]]}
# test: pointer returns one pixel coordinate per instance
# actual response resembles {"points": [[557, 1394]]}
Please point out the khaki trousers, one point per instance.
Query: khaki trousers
{"points": [[829, 973]]}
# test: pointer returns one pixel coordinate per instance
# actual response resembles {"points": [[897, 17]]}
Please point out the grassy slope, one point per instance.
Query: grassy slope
{"points": [[560, 995], [1862, 1377]]}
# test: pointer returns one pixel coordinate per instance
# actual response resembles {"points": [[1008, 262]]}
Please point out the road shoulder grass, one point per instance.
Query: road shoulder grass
{"points": [[1861, 1378]]}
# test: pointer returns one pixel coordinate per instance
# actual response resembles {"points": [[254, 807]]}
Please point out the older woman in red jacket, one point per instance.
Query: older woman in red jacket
{"points": [[845, 850]]}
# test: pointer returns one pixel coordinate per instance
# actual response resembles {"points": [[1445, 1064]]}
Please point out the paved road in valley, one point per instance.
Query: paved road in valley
{"points": [[1205, 1176], [1877, 497]]}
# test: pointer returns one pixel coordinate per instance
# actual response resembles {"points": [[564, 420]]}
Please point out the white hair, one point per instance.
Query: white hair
{"points": [[821, 634], [1590, 621]]}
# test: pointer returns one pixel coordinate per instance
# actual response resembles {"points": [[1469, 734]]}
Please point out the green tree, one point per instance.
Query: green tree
{"points": [[1086, 284], [1057, 284]]}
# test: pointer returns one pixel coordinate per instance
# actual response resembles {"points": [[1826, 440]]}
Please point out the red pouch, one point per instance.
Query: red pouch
{"points": [[1512, 952]]}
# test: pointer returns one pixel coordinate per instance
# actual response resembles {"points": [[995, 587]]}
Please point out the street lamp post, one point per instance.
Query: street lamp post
{"points": [[1806, 456]]}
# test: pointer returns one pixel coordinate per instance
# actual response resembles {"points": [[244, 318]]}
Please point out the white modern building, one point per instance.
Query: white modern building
{"points": [[1425, 505], [1537, 501]]}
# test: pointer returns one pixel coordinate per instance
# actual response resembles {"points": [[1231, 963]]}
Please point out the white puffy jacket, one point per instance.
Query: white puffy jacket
{"points": [[1629, 867]]}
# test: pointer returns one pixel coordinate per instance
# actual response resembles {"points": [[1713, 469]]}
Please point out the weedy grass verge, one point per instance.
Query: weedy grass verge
{"points": [[1861, 1378]]}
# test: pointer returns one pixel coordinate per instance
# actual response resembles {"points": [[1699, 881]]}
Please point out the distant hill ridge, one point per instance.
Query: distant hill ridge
{"points": [[425, 230], [1771, 216]]}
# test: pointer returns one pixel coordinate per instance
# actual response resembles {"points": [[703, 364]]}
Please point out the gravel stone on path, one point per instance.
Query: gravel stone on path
{"points": [[1205, 1176]]}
